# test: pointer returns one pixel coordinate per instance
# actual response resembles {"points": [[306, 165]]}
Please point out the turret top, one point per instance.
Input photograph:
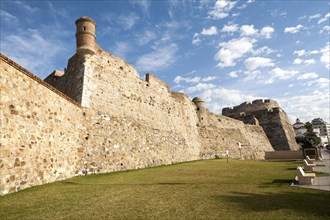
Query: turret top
{"points": [[197, 99], [85, 18]]}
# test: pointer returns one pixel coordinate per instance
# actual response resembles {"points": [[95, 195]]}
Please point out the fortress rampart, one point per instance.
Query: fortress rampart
{"points": [[270, 117], [248, 108], [108, 120]]}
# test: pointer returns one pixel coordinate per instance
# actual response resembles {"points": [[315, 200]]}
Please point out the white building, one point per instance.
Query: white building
{"points": [[299, 128], [324, 129]]}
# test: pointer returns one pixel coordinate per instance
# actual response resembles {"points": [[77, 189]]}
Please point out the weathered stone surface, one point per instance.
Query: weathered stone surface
{"points": [[32, 135], [105, 119], [269, 115], [127, 123]]}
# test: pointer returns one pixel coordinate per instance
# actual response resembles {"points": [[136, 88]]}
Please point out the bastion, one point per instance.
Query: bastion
{"points": [[271, 117], [99, 116]]}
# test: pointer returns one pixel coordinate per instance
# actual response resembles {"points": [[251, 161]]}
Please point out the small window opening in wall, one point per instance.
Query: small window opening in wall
{"points": [[84, 28], [197, 109]]}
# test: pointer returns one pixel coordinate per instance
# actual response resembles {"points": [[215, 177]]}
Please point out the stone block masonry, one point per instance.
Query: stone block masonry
{"points": [[99, 116], [269, 115], [40, 130]]}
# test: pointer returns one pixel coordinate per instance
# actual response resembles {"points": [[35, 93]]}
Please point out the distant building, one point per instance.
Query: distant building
{"points": [[324, 128], [299, 128]]}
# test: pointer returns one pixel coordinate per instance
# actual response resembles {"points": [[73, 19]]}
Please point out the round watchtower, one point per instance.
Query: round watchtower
{"points": [[85, 36], [200, 109]]}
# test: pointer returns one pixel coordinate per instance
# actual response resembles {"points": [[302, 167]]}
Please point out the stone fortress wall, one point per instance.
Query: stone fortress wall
{"points": [[40, 130], [250, 107], [271, 117], [102, 117]]}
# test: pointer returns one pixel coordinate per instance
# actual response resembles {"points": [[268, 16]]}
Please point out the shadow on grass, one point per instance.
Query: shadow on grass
{"points": [[304, 203], [277, 183], [280, 181], [121, 184]]}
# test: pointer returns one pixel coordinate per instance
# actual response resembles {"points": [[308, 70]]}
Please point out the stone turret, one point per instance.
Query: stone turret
{"points": [[85, 36], [200, 109]]}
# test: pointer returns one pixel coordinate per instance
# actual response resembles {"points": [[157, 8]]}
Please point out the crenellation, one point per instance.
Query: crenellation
{"points": [[258, 102], [154, 81]]}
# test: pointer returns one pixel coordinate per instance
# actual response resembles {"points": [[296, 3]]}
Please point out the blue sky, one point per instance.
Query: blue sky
{"points": [[226, 52]]}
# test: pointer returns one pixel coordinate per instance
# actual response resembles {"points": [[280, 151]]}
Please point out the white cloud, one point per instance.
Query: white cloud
{"points": [[205, 32], [6, 16], [218, 98], [309, 61], [307, 107], [321, 83], [251, 75], [298, 61], [179, 79], [267, 32], [57, 11], [26, 6], [230, 28], [233, 74], [121, 48], [278, 73], [305, 76], [195, 79], [146, 37], [326, 17], [160, 58], [144, 4], [200, 87], [325, 56], [253, 63], [34, 51], [221, 9], [248, 30], [263, 50], [293, 30], [210, 31], [128, 20], [314, 16], [209, 78], [196, 40], [299, 52], [325, 29], [232, 50]]}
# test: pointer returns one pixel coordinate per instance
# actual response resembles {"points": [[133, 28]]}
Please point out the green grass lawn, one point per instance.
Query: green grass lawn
{"points": [[210, 189]]}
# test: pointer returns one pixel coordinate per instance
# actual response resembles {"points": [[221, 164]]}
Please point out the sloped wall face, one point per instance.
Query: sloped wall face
{"points": [[222, 134], [39, 132], [134, 123], [278, 129], [271, 118]]}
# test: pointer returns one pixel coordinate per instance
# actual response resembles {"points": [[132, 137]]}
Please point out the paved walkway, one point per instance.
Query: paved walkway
{"points": [[321, 182]]}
